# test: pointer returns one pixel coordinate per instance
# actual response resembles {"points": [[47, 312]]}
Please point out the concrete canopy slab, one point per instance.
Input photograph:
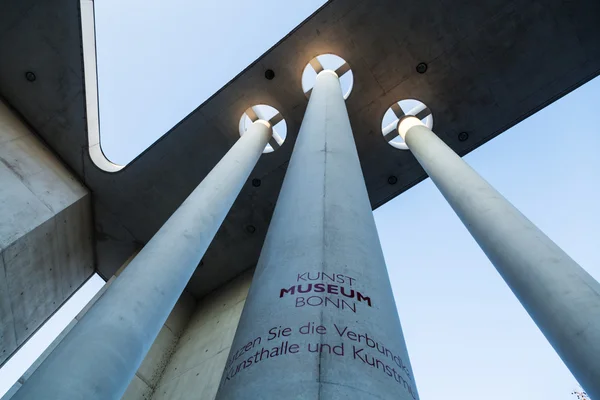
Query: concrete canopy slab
{"points": [[490, 65]]}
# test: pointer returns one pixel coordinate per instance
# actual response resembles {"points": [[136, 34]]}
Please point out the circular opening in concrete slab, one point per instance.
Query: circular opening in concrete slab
{"points": [[327, 62], [273, 117], [391, 119]]}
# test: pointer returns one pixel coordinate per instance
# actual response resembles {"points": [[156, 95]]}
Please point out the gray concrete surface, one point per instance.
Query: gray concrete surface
{"points": [[320, 320], [198, 362], [559, 295], [137, 390], [46, 228], [147, 377], [99, 357], [491, 64]]}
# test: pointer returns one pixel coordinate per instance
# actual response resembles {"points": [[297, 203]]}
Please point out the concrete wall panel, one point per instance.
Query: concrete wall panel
{"points": [[8, 339], [195, 369], [11, 126], [181, 314], [74, 228], [200, 382], [20, 210], [35, 184], [45, 233], [44, 267], [162, 350], [158, 356], [33, 278], [40, 171]]}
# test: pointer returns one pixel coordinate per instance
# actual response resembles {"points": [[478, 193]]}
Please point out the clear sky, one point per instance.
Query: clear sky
{"points": [[39, 341], [158, 60], [468, 337]]}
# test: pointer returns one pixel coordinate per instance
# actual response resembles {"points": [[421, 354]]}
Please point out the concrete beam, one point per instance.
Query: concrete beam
{"points": [[46, 228]]}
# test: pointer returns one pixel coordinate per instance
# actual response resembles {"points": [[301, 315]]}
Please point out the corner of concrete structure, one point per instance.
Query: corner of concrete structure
{"points": [[158, 358], [138, 390], [201, 353], [181, 314], [46, 248]]}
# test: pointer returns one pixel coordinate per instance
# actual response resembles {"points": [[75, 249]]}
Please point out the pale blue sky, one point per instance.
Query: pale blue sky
{"points": [[158, 60], [16, 366], [468, 337], [467, 334]]}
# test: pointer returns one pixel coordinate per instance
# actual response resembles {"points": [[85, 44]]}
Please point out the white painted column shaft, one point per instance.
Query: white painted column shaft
{"points": [[559, 295], [99, 357], [320, 320]]}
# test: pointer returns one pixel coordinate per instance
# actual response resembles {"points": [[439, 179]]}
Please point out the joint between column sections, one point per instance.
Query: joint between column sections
{"points": [[392, 133], [269, 117], [328, 71], [265, 123], [406, 123], [330, 63]]}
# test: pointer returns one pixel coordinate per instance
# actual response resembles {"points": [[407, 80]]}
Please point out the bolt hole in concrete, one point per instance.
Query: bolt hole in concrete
{"points": [[269, 74], [30, 76], [391, 118], [331, 62], [270, 114]]}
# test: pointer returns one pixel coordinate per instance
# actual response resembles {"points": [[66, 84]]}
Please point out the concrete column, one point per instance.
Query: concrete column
{"points": [[320, 321], [100, 355], [560, 296]]}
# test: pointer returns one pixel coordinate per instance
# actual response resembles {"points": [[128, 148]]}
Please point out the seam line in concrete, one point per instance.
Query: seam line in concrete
{"points": [[143, 380], [323, 241], [173, 333], [22, 179], [21, 136], [19, 20], [166, 362]]}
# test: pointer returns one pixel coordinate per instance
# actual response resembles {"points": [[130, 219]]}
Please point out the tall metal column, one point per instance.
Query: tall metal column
{"points": [[320, 321], [560, 296], [99, 357]]}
